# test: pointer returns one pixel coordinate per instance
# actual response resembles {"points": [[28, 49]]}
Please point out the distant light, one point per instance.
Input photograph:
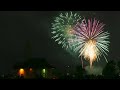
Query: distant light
{"points": [[31, 69], [21, 72], [43, 70], [43, 73], [67, 66], [54, 78], [68, 74], [73, 75]]}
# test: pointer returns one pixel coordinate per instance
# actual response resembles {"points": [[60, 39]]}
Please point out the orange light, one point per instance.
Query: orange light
{"points": [[31, 69], [21, 72]]}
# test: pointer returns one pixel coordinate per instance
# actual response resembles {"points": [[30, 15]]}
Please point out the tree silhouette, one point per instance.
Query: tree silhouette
{"points": [[79, 72], [110, 70], [34, 63], [118, 64]]}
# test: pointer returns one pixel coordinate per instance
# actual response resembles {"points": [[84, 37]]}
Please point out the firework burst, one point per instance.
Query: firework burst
{"points": [[90, 40], [62, 28]]}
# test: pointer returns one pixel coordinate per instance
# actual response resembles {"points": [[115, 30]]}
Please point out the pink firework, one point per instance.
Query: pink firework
{"points": [[90, 40]]}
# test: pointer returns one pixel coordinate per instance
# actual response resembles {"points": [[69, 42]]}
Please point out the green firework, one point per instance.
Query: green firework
{"points": [[62, 27]]}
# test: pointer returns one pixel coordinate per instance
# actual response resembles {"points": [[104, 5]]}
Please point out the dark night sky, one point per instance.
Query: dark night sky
{"points": [[18, 26]]}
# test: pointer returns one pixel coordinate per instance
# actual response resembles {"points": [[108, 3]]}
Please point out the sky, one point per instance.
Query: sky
{"points": [[16, 27]]}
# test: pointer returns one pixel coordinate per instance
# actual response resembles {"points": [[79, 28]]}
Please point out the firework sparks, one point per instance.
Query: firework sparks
{"points": [[90, 40], [63, 27], [86, 37], [90, 51]]}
